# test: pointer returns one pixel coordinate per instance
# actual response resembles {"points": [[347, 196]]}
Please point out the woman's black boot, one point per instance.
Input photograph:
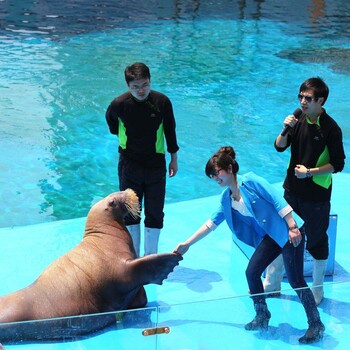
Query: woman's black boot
{"points": [[313, 334], [261, 320]]}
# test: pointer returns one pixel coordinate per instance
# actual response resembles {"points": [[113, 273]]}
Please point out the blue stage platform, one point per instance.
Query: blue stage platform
{"points": [[204, 303]]}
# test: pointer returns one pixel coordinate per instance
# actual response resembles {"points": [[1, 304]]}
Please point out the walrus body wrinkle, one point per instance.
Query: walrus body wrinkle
{"points": [[101, 274]]}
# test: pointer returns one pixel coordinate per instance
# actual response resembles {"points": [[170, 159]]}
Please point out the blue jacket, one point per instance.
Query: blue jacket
{"points": [[267, 207]]}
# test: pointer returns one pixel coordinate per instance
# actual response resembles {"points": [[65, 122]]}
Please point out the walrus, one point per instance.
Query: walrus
{"points": [[100, 275]]}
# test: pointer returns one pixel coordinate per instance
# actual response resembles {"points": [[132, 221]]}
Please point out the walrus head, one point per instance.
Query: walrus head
{"points": [[114, 207], [125, 202]]}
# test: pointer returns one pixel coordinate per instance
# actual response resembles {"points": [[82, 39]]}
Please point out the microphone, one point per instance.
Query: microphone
{"points": [[297, 113]]}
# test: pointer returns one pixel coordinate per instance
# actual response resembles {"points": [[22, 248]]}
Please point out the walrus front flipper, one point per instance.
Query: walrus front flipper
{"points": [[155, 268]]}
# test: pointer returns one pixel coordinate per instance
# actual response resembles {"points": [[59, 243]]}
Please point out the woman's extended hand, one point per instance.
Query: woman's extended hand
{"points": [[181, 249]]}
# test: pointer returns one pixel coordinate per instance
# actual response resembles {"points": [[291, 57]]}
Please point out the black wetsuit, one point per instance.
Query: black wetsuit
{"points": [[313, 145], [141, 127]]}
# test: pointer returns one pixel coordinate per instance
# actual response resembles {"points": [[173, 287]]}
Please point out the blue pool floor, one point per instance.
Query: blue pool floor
{"points": [[204, 301]]}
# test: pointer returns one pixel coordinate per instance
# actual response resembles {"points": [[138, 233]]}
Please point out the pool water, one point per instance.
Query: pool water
{"points": [[232, 70]]}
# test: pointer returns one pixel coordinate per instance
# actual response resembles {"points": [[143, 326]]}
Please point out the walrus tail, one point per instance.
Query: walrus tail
{"points": [[132, 203]]}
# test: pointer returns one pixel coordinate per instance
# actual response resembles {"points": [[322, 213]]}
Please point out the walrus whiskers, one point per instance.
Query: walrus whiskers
{"points": [[132, 203]]}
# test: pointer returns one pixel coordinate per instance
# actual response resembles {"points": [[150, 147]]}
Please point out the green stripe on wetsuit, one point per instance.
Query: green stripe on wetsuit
{"points": [[323, 180], [159, 141]]}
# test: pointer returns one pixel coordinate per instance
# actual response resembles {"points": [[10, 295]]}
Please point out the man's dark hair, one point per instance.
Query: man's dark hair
{"points": [[318, 87], [136, 71]]}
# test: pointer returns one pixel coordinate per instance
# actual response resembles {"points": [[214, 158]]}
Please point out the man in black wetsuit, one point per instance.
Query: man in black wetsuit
{"points": [[144, 121], [316, 147]]}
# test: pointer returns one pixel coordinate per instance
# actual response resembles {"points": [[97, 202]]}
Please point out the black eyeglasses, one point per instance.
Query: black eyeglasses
{"points": [[215, 173], [308, 99]]}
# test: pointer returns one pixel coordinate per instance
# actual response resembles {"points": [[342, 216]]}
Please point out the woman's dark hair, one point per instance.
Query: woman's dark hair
{"points": [[222, 159], [136, 71], [318, 87]]}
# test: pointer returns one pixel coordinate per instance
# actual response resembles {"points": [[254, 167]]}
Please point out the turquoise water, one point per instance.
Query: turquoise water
{"points": [[232, 69], [232, 74]]}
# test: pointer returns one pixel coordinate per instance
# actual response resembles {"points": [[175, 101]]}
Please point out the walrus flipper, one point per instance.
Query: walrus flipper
{"points": [[155, 268]]}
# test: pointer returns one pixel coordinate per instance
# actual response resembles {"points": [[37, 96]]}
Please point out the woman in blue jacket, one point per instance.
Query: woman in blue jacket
{"points": [[258, 216]]}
